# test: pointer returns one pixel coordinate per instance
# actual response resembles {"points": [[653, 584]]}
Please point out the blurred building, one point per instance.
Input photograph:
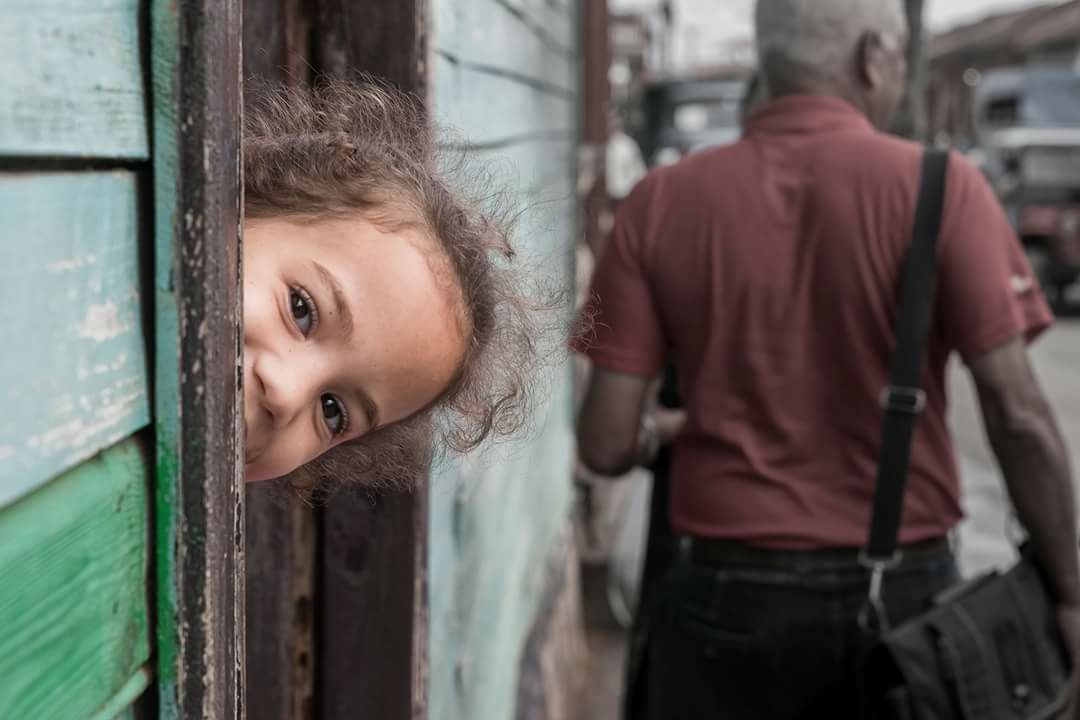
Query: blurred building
{"points": [[1042, 35], [631, 41]]}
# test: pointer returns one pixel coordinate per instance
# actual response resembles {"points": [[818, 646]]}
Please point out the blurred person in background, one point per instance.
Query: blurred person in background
{"points": [[623, 164], [659, 548], [768, 273], [623, 169]]}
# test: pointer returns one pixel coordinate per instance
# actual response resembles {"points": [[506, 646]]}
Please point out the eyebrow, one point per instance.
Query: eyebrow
{"points": [[341, 307], [344, 315]]}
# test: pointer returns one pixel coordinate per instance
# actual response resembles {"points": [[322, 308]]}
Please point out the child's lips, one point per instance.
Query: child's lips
{"points": [[252, 448]]}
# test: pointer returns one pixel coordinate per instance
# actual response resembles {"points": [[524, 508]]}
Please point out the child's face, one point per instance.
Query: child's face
{"points": [[346, 328]]}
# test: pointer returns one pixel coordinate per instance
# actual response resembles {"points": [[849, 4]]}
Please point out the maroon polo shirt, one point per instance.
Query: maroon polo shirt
{"points": [[769, 272]]}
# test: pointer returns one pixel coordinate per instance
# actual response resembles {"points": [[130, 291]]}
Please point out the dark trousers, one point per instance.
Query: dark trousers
{"points": [[773, 640]]}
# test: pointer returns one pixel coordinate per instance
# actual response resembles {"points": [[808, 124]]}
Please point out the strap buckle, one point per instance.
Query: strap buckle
{"points": [[873, 616], [908, 400]]}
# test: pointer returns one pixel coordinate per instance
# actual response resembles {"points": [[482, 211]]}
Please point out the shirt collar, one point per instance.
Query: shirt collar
{"points": [[806, 114]]}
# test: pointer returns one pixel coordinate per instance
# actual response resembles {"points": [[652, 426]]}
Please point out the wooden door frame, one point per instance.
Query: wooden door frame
{"points": [[347, 608], [280, 539], [195, 77], [372, 636]]}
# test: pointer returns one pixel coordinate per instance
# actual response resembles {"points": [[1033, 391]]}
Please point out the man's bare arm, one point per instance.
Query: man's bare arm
{"points": [[609, 427], [1028, 444]]}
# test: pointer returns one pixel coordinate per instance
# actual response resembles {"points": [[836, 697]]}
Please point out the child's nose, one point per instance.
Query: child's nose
{"points": [[285, 391]]}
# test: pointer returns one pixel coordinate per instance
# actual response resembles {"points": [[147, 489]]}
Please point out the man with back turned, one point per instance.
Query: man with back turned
{"points": [[769, 272]]}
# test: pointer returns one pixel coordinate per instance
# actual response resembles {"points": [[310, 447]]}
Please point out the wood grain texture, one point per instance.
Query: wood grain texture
{"points": [[491, 111], [540, 173], [195, 63], [277, 40], [71, 79], [596, 88], [372, 633], [498, 38], [74, 621], [279, 553], [386, 38], [372, 652], [493, 524], [554, 21], [121, 706], [73, 375], [595, 120], [495, 520], [280, 609]]}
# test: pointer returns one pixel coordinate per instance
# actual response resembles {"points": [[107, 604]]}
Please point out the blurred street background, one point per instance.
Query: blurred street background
{"points": [[990, 78]]}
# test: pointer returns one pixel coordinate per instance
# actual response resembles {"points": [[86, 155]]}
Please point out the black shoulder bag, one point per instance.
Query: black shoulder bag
{"points": [[989, 648]]}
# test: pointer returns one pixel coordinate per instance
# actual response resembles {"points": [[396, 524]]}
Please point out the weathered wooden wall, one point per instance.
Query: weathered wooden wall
{"points": [[505, 78], [119, 269], [75, 467]]}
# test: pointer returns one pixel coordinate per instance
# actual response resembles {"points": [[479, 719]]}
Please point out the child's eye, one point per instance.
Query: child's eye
{"points": [[303, 309], [334, 414]]}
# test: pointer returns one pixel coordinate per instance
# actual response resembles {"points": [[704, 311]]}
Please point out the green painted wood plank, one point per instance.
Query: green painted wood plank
{"points": [[73, 376], [71, 79], [165, 34], [74, 626], [121, 705]]}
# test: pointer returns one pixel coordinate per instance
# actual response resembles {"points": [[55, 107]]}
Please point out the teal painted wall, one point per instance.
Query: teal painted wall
{"points": [[72, 79], [505, 80], [75, 385], [73, 377]]}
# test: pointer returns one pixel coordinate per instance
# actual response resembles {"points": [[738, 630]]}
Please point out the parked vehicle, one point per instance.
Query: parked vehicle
{"points": [[684, 115], [1028, 130]]}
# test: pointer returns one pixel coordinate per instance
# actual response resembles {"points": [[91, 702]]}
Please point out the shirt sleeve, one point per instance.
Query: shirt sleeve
{"points": [[624, 333], [987, 290]]}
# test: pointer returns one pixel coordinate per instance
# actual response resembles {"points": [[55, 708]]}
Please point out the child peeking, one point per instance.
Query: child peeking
{"points": [[381, 316]]}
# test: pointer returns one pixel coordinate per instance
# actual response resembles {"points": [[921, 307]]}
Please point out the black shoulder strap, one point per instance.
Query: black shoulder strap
{"points": [[904, 400]]}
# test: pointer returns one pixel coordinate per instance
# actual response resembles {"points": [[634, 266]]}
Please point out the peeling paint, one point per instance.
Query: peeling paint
{"points": [[77, 433], [83, 372], [62, 405], [75, 263], [102, 322]]}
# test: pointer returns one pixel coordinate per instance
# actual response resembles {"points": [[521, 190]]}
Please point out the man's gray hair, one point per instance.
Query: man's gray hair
{"points": [[804, 44]]}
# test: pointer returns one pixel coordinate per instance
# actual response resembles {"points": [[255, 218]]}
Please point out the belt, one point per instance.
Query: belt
{"points": [[716, 551]]}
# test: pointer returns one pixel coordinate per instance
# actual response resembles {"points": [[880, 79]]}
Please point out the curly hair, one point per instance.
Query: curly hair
{"points": [[344, 148]]}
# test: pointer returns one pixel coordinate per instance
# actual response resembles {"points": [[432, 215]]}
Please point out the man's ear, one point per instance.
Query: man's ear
{"points": [[870, 60]]}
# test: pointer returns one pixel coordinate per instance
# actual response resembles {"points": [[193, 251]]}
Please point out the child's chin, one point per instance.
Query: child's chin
{"points": [[252, 473]]}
